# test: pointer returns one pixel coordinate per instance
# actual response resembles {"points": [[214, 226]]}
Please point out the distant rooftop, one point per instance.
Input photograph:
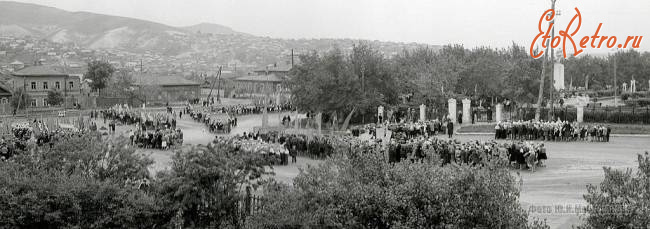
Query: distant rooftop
{"points": [[261, 78], [41, 70], [164, 81]]}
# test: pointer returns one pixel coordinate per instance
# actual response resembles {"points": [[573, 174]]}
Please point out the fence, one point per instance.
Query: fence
{"points": [[627, 115], [248, 205], [528, 113]]}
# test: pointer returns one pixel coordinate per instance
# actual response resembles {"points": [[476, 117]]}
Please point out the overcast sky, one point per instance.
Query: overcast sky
{"points": [[473, 23]]}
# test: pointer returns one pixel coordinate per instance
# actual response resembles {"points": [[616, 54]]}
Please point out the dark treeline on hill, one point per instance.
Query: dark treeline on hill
{"points": [[336, 83]]}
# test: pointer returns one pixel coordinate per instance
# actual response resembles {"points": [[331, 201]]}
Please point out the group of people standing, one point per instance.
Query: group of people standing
{"points": [[158, 139], [551, 131], [520, 154], [215, 122], [155, 130], [27, 135]]}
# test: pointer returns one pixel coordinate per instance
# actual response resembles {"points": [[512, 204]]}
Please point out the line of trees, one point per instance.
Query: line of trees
{"points": [[338, 82]]}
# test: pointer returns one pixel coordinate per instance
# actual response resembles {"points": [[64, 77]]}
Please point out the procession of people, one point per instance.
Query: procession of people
{"points": [[519, 154], [551, 131]]}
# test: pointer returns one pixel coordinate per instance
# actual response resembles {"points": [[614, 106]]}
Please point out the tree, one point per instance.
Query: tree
{"points": [[79, 183], [338, 83], [363, 190], [621, 200], [54, 98], [20, 100], [205, 184], [99, 72]]}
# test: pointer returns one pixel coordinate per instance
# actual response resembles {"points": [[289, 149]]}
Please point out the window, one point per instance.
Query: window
{"points": [[4, 101], [45, 86], [71, 84], [57, 85], [33, 103], [33, 85], [45, 103]]}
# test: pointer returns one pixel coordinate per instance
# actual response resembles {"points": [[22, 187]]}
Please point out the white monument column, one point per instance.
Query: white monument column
{"points": [[319, 121], [467, 118], [632, 86], [452, 110], [423, 112], [580, 111], [499, 115]]}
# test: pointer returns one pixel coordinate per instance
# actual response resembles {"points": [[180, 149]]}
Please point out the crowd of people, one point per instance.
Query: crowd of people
{"points": [[215, 122], [246, 109], [155, 130], [551, 131], [414, 129], [159, 139], [26, 136], [520, 154]]}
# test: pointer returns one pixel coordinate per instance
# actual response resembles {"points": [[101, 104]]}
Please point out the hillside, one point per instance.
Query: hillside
{"points": [[211, 29], [206, 42], [83, 28]]}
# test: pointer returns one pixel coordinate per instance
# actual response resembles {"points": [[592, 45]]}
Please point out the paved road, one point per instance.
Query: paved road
{"points": [[570, 167]]}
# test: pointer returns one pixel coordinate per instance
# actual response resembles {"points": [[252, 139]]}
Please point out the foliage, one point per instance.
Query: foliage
{"points": [[599, 71], [365, 191], [20, 99], [205, 183], [114, 159], [54, 98], [336, 82], [621, 200], [79, 184], [366, 78], [86, 182], [54, 199], [99, 72]]}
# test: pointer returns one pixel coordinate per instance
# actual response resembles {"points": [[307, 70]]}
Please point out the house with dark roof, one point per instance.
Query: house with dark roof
{"points": [[38, 80], [170, 88]]}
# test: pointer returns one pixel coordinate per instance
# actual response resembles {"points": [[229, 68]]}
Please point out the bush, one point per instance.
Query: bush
{"points": [[205, 184], [621, 200], [365, 191], [79, 184]]}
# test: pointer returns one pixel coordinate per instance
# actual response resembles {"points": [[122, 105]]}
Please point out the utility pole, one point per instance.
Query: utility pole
{"points": [[212, 85], [65, 87], [219, 86], [615, 88], [141, 83], [291, 58], [552, 90], [540, 96]]}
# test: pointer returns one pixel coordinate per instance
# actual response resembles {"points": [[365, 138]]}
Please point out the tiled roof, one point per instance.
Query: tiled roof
{"points": [[261, 78], [163, 81], [41, 70]]}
